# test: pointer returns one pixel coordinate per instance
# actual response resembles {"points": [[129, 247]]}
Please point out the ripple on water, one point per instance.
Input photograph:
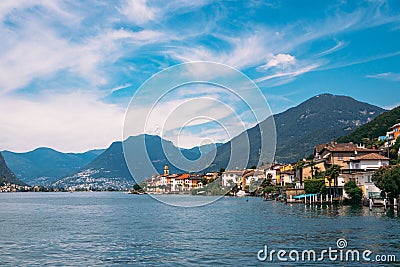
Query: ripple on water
{"points": [[117, 229]]}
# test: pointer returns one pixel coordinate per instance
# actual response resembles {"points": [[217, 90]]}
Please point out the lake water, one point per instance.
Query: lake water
{"points": [[87, 229]]}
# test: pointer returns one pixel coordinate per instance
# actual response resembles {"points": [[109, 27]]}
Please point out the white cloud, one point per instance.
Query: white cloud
{"points": [[386, 76], [141, 12], [247, 51], [289, 74], [280, 61], [34, 50], [54, 8], [138, 11], [68, 122], [25, 56], [339, 45], [44, 38], [115, 89]]}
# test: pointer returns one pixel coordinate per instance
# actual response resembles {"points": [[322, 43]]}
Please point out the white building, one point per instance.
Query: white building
{"points": [[231, 177], [371, 161], [361, 170], [271, 174], [287, 177]]}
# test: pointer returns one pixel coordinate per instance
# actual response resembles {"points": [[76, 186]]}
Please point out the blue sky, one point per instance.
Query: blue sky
{"points": [[70, 68]]}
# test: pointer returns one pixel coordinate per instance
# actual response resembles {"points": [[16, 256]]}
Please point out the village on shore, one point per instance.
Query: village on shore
{"points": [[321, 178], [336, 172]]}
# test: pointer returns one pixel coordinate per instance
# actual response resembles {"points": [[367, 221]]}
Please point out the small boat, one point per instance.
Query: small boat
{"points": [[376, 198], [241, 193]]}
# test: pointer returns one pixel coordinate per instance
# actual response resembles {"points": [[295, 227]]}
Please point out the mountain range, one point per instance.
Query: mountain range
{"points": [[317, 120], [110, 169], [6, 175], [45, 164]]}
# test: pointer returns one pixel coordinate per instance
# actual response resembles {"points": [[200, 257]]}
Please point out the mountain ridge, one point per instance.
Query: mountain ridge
{"points": [[316, 120], [42, 164], [6, 175]]}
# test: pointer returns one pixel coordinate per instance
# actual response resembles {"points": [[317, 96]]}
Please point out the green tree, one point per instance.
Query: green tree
{"points": [[313, 168], [268, 189], [299, 166], [387, 179], [333, 173], [314, 186], [353, 191], [393, 152], [137, 187]]}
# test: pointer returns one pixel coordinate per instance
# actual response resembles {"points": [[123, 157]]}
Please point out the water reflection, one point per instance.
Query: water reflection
{"points": [[113, 228], [344, 210]]}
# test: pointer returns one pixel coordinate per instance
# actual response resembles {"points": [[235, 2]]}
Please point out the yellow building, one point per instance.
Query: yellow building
{"points": [[281, 169]]}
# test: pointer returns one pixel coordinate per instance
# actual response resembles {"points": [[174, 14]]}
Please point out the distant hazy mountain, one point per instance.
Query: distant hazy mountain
{"points": [[315, 121], [6, 175], [42, 165], [377, 127], [110, 169]]}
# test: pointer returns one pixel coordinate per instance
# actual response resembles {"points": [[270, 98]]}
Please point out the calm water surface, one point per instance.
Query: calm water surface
{"points": [[88, 229]]}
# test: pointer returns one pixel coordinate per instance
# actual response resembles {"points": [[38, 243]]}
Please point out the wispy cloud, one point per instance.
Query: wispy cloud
{"points": [[60, 48], [138, 11], [339, 45], [289, 74], [75, 121], [280, 61], [115, 89], [386, 76]]}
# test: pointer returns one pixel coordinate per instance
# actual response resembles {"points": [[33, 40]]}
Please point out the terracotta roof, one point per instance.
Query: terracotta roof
{"points": [[238, 172], [371, 156], [318, 148], [195, 177], [347, 147], [184, 176]]}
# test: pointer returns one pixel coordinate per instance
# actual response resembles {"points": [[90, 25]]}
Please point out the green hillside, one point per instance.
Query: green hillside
{"points": [[375, 128]]}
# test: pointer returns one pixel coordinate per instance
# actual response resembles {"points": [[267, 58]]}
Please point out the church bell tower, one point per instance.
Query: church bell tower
{"points": [[166, 169]]}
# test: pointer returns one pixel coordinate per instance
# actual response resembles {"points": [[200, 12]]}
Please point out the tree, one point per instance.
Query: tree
{"points": [[314, 186], [354, 192], [137, 187], [299, 166], [313, 168], [333, 173], [387, 179], [393, 152], [268, 180]]}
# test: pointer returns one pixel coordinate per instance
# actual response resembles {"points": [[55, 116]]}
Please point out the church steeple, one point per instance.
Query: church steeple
{"points": [[166, 169]]}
